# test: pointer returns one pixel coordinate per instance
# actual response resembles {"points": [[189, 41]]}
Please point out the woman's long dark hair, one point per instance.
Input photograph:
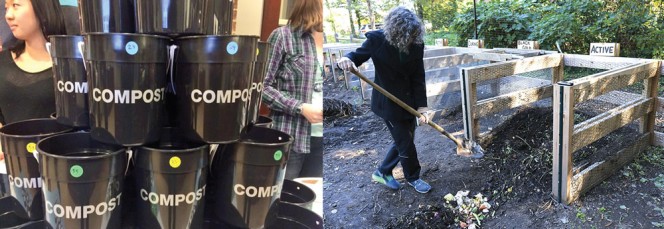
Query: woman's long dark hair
{"points": [[50, 19]]}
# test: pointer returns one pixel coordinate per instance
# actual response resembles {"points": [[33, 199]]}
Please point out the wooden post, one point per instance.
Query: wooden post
{"points": [[558, 73], [468, 102], [333, 65], [647, 122], [563, 127]]}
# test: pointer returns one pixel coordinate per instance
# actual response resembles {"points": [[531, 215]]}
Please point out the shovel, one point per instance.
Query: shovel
{"points": [[465, 147]]}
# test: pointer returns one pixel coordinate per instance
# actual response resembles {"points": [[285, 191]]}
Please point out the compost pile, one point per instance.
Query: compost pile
{"points": [[518, 162]]}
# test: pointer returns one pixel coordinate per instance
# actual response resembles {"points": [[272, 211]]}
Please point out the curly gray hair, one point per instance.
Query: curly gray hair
{"points": [[403, 28]]}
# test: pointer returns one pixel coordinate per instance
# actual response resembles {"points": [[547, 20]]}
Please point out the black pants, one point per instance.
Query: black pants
{"points": [[306, 165], [402, 150]]}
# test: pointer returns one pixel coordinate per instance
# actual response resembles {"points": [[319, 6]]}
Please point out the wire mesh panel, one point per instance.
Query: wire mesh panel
{"points": [[493, 88]]}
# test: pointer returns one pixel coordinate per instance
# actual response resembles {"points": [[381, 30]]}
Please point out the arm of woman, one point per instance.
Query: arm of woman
{"points": [[417, 80], [271, 95], [363, 53]]}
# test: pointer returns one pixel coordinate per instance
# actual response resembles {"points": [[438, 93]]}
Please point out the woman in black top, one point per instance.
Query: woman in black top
{"points": [[26, 83], [397, 54]]}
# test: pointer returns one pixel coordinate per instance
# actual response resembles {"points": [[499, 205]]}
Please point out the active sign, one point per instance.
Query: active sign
{"points": [[604, 49], [475, 43], [520, 44], [442, 42]]}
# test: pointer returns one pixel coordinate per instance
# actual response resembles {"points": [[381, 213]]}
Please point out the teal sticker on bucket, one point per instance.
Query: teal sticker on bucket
{"points": [[131, 48], [278, 155], [231, 48], [76, 171]]}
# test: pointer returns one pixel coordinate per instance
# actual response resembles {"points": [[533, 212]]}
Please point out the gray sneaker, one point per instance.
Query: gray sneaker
{"points": [[420, 186]]}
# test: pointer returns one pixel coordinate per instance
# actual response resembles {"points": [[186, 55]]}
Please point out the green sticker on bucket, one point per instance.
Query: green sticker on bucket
{"points": [[278, 155], [76, 171]]}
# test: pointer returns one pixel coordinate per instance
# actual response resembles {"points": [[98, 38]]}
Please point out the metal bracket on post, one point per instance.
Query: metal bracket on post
{"points": [[468, 100], [563, 128]]}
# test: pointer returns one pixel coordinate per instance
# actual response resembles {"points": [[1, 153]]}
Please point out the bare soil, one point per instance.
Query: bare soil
{"points": [[515, 174]]}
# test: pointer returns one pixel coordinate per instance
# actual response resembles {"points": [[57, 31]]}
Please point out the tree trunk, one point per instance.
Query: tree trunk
{"points": [[358, 17], [350, 17], [372, 17], [331, 20]]}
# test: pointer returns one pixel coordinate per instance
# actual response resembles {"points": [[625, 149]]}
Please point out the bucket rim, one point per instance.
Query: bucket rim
{"points": [[65, 36], [214, 36], [128, 34], [174, 150], [289, 141], [67, 129], [100, 156]]}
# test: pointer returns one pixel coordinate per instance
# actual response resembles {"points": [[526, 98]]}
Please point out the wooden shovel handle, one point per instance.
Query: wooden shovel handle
{"points": [[405, 106]]}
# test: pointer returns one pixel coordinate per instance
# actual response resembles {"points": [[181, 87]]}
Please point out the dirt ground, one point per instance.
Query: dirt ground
{"points": [[515, 174]]}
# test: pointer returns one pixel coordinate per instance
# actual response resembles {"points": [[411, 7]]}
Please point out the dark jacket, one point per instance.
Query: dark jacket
{"points": [[398, 73]]}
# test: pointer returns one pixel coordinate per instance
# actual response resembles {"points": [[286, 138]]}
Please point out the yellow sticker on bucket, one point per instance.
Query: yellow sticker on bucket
{"points": [[175, 162], [31, 147], [258, 51]]}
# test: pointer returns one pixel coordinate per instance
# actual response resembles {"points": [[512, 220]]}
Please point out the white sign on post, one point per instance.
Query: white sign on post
{"points": [[605, 49], [475, 43], [442, 42], [521, 44]]}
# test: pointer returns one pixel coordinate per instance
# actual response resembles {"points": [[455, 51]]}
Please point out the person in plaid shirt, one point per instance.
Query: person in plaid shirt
{"points": [[293, 88]]}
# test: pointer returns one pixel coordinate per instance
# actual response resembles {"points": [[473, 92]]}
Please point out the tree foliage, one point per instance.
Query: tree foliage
{"points": [[573, 24], [439, 12]]}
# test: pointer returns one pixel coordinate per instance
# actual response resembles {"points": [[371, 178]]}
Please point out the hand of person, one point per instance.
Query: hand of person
{"points": [[312, 113], [346, 64], [2, 156], [425, 115]]}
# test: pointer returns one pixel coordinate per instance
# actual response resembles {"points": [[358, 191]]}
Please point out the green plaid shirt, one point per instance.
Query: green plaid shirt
{"points": [[289, 82]]}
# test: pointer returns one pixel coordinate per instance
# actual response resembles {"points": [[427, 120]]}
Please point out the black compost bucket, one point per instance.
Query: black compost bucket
{"points": [[257, 81], [83, 180], [292, 216], [127, 76], [264, 121], [220, 18], [107, 16], [296, 193], [19, 142], [173, 18], [213, 78], [71, 85], [249, 175], [171, 180]]}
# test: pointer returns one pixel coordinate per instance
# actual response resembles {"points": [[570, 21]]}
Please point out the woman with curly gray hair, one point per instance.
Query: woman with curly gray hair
{"points": [[397, 52]]}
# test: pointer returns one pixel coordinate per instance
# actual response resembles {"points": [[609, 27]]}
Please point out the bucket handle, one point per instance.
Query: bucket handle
{"points": [[171, 59], [213, 151], [36, 155], [130, 153], [81, 44], [48, 48]]}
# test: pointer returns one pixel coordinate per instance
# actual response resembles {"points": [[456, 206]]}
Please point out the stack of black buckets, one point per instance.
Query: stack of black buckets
{"points": [[156, 126]]}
